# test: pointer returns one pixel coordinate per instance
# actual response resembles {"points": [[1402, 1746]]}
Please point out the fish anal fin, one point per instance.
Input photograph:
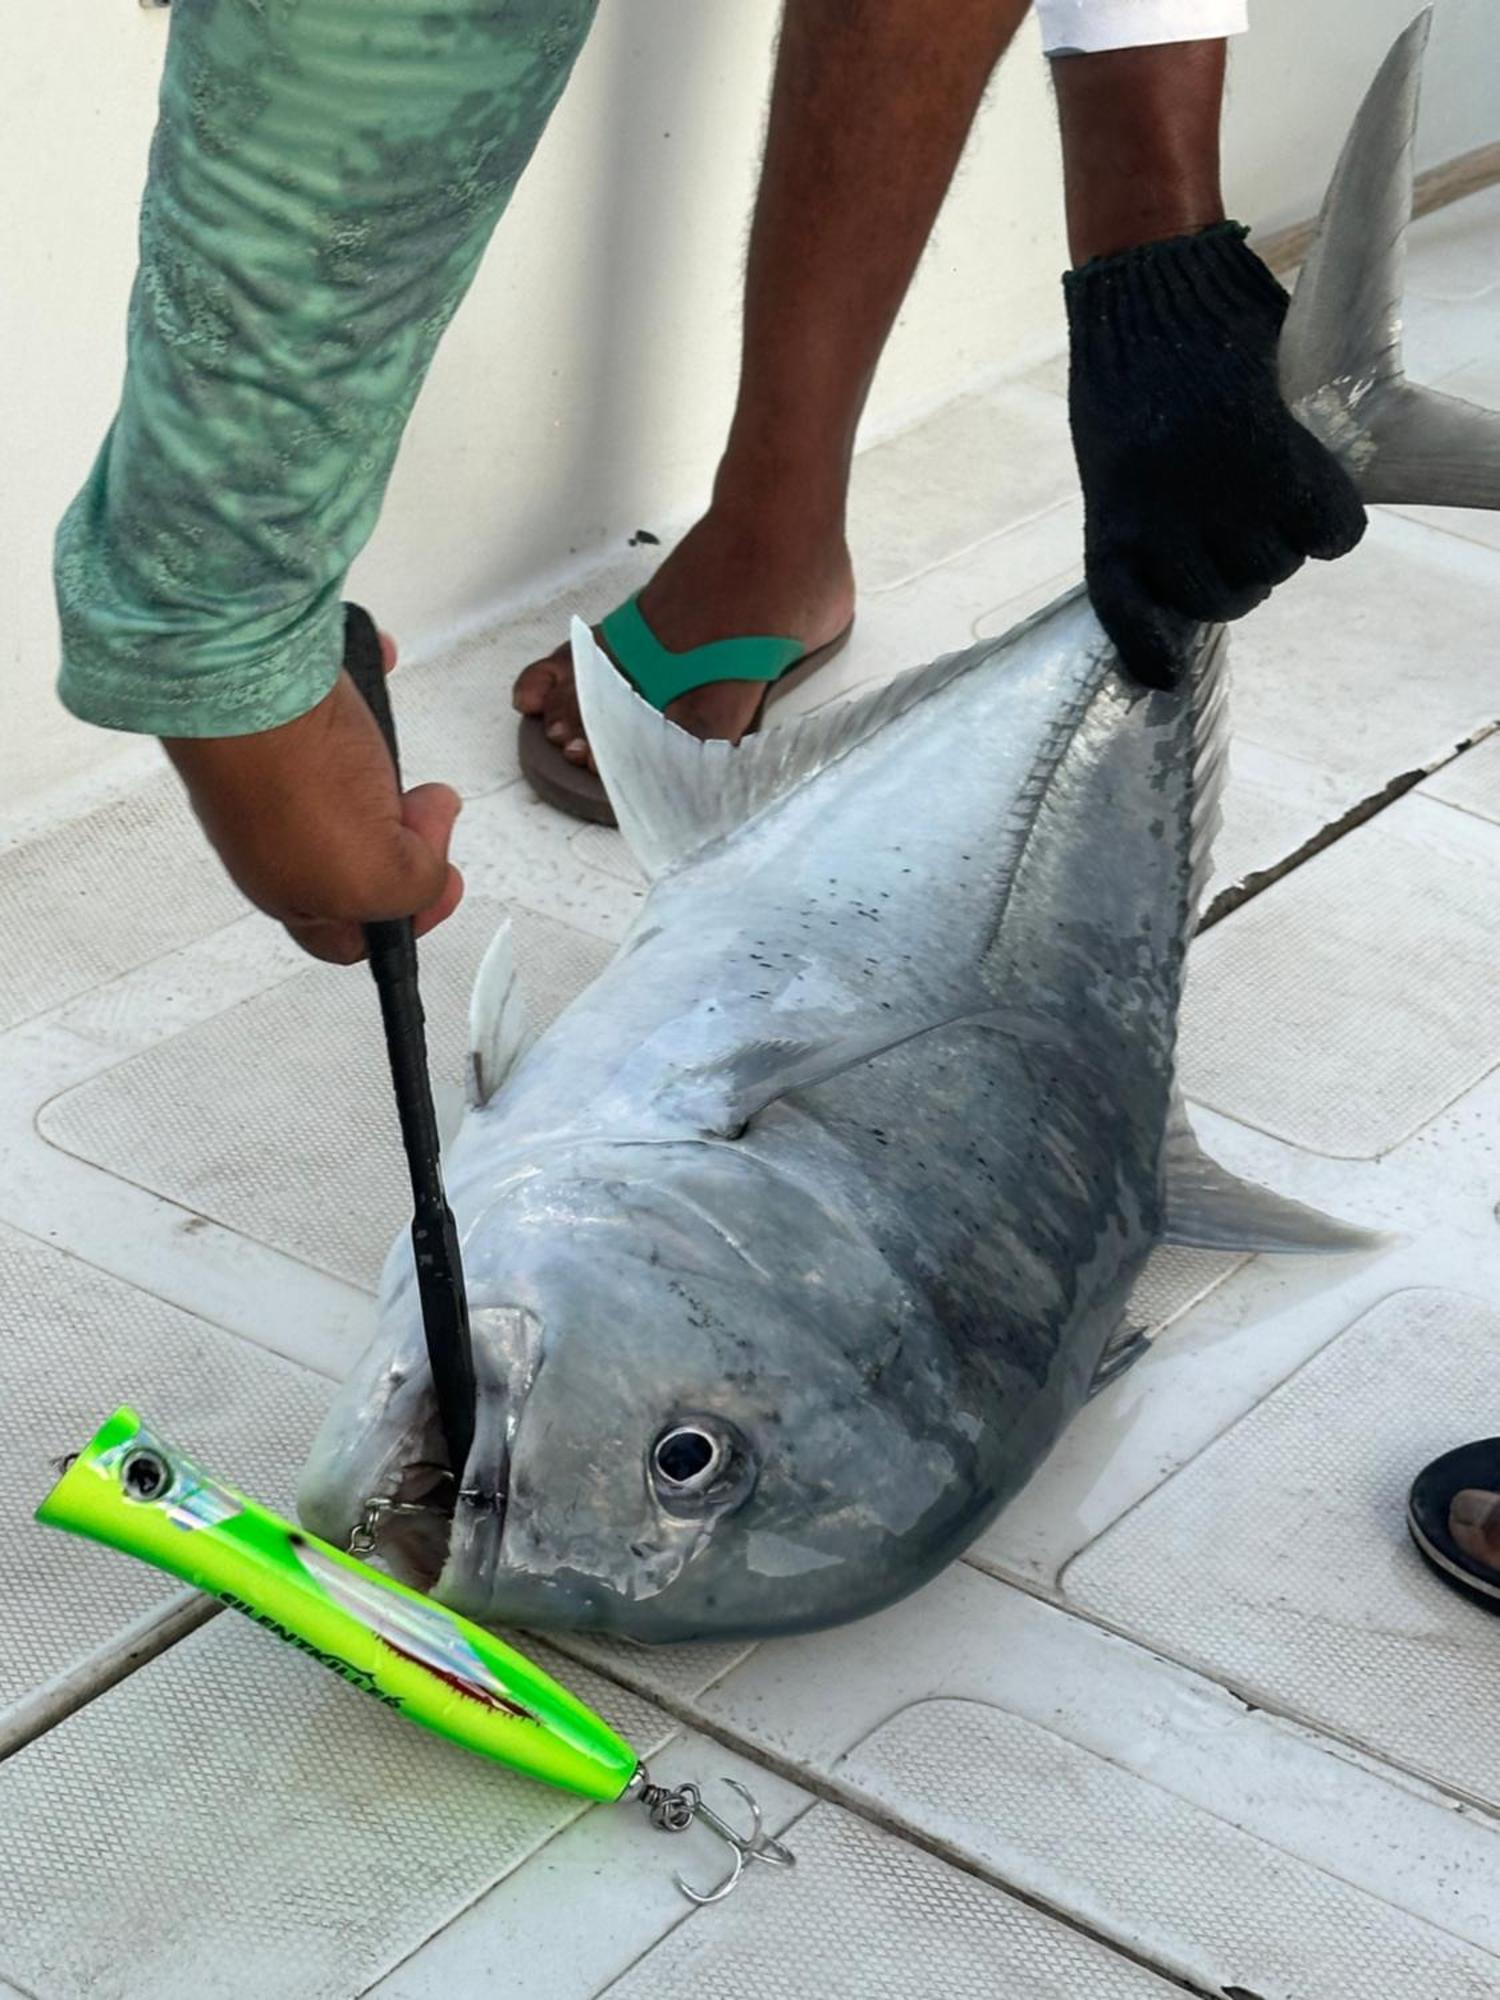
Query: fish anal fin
{"points": [[1209, 1208]]}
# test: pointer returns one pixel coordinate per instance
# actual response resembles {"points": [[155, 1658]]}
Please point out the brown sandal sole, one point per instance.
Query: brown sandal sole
{"points": [[580, 793]]}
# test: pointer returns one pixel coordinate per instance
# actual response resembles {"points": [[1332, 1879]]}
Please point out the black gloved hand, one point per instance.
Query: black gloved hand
{"points": [[1202, 492]]}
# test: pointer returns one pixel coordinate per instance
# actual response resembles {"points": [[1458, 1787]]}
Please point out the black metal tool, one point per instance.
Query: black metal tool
{"points": [[434, 1239]]}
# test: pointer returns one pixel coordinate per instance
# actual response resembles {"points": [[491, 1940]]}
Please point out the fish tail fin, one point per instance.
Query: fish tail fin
{"points": [[1341, 352]]}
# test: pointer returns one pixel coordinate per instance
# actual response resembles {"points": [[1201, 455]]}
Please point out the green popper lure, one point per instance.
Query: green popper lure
{"points": [[130, 1490]]}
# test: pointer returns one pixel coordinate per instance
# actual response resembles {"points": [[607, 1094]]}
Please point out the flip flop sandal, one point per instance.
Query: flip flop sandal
{"points": [[660, 676], [1432, 1494]]}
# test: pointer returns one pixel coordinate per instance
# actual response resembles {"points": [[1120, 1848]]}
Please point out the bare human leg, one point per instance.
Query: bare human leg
{"points": [[872, 104]]}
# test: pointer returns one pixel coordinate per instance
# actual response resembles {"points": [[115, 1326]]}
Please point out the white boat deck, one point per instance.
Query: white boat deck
{"points": [[1191, 1717]]}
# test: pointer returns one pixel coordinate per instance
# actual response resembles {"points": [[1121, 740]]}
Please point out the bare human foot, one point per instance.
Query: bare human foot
{"points": [[1474, 1521], [724, 580]]}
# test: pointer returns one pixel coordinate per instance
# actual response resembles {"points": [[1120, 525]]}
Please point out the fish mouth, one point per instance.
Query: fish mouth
{"points": [[569, 1601], [625, 1586], [508, 1352], [412, 1532], [379, 1470]]}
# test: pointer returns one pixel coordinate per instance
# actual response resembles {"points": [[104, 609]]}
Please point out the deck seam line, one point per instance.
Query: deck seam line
{"points": [[1259, 880]]}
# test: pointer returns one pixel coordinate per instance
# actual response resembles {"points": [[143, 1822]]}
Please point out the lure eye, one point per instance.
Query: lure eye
{"points": [[145, 1475], [687, 1459]]}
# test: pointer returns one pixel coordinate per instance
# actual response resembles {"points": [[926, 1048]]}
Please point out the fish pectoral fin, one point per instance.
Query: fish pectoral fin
{"points": [[1124, 1350], [500, 1030], [1209, 1208], [722, 1095]]}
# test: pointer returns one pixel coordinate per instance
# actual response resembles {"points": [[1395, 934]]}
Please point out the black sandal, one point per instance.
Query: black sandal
{"points": [[660, 676], [1470, 1466]]}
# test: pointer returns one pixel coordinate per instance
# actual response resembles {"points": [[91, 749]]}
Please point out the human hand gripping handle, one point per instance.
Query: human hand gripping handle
{"points": [[1201, 491], [310, 823], [393, 962]]}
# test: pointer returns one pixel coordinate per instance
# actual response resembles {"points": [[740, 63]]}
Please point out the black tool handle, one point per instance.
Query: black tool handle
{"points": [[434, 1238]]}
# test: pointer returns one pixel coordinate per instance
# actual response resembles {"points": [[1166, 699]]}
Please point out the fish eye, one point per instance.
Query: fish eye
{"points": [[687, 1459], [701, 1465], [145, 1475]]}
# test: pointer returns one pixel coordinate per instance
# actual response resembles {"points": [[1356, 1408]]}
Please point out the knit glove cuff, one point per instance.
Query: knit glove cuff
{"points": [[1185, 284]]}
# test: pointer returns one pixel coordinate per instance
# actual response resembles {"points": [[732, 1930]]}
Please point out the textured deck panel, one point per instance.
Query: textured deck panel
{"points": [[76, 1343], [682, 1672], [1174, 1280], [285, 1839], [604, 848], [276, 1117], [1050, 1519], [980, 592], [518, 851], [1471, 782], [1348, 1004], [1274, 805], [104, 893], [508, 1942], [868, 1918], [1375, 665], [1148, 1870], [1279, 1560], [299, 1149]]}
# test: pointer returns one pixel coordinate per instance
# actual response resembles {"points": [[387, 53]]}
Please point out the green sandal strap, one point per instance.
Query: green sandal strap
{"points": [[661, 675]]}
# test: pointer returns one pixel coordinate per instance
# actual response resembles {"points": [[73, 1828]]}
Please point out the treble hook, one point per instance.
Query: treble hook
{"points": [[675, 1811]]}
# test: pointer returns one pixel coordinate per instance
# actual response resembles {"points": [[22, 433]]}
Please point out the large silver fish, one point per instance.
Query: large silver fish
{"points": [[795, 1243]]}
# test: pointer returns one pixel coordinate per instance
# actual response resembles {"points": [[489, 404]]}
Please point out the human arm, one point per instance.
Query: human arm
{"points": [[1202, 493]]}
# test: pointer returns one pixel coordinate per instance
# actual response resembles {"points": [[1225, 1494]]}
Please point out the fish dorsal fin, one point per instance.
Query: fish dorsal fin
{"points": [[1209, 1208], [500, 1030], [1210, 764], [1341, 351], [673, 794]]}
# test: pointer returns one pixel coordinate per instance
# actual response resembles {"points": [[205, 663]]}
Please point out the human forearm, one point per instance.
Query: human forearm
{"points": [[323, 182]]}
